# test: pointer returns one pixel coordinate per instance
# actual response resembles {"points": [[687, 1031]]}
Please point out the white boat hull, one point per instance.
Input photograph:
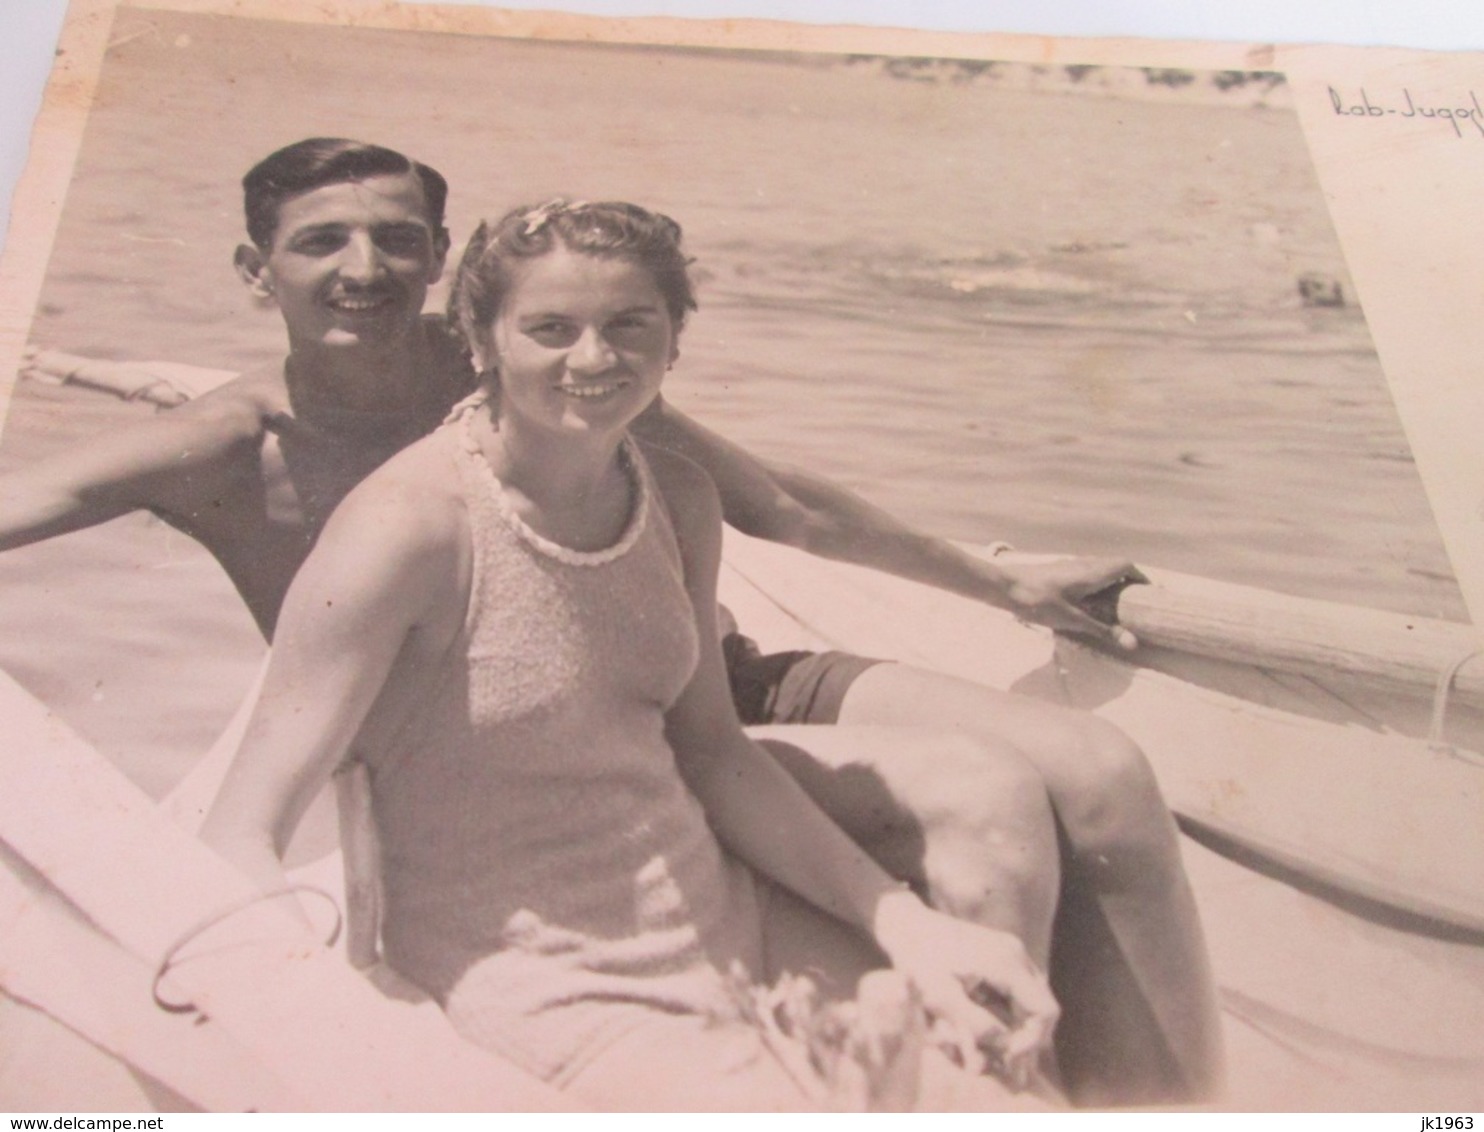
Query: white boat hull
{"points": [[1324, 1009], [1349, 959]]}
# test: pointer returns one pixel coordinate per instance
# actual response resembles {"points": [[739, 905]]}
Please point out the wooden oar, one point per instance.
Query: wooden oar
{"points": [[1389, 652]]}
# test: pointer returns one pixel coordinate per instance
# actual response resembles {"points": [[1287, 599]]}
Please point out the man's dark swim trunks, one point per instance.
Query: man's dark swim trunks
{"points": [[789, 687]]}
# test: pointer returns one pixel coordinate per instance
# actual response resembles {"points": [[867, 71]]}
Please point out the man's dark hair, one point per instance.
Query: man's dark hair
{"points": [[316, 162]]}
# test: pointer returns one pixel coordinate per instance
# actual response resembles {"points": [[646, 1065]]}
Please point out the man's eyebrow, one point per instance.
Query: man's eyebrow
{"points": [[316, 229], [343, 226]]}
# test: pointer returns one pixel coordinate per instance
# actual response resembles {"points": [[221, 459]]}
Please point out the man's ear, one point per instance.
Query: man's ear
{"points": [[254, 270], [441, 245]]}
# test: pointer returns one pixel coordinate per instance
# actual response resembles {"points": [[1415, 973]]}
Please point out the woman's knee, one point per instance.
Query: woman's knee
{"points": [[963, 785], [989, 830], [1108, 800]]}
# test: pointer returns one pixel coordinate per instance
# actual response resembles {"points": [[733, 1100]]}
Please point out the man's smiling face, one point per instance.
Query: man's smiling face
{"points": [[350, 262]]}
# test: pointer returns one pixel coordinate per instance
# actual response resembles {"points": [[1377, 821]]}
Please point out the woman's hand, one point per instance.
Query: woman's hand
{"points": [[989, 1004], [1057, 595]]}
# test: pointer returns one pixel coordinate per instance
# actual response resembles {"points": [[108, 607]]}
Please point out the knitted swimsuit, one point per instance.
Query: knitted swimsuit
{"points": [[547, 874]]}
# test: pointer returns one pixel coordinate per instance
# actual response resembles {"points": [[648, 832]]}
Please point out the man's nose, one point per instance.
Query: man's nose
{"points": [[360, 260], [591, 353]]}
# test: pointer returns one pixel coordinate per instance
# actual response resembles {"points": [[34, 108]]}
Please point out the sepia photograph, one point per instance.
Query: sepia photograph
{"points": [[560, 563]]}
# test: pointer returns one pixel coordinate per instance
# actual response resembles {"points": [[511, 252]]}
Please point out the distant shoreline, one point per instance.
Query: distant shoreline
{"points": [[1266, 89]]}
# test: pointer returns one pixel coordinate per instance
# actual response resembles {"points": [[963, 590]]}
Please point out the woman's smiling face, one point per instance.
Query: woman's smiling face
{"points": [[581, 342]]}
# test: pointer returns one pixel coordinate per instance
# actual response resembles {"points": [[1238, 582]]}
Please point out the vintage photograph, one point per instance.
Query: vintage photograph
{"points": [[798, 579]]}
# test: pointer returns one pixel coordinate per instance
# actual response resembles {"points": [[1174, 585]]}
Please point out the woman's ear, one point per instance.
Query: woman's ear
{"points": [[254, 271], [486, 361], [490, 378]]}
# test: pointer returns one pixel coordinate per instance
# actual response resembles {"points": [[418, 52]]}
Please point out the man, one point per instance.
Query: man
{"points": [[346, 239]]}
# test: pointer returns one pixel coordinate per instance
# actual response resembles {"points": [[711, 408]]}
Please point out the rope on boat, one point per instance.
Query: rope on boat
{"points": [[1437, 729], [172, 952], [162, 384]]}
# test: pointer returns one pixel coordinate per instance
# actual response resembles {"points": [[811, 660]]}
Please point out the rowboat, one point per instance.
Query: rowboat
{"points": [[1323, 763], [1331, 795]]}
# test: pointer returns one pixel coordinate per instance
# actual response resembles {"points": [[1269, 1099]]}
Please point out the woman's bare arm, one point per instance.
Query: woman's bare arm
{"points": [[766, 818], [389, 555]]}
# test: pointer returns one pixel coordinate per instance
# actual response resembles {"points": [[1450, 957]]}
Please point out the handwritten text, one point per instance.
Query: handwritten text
{"points": [[1457, 116]]}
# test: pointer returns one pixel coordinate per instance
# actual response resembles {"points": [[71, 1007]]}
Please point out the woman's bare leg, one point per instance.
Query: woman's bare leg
{"points": [[1129, 964], [899, 793]]}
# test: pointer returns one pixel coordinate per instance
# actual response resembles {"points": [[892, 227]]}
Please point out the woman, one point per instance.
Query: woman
{"points": [[512, 624]]}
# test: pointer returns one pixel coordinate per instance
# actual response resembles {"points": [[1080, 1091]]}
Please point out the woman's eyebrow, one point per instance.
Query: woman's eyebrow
{"points": [[637, 308]]}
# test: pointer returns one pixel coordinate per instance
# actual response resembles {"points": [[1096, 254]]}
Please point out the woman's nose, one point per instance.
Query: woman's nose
{"points": [[591, 353]]}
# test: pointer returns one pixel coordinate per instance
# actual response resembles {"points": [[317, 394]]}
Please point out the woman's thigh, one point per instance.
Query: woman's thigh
{"points": [[952, 813], [802, 940], [689, 1063], [887, 782], [692, 1062]]}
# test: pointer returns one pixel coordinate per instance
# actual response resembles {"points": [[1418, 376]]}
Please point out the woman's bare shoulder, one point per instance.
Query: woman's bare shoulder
{"points": [[411, 500]]}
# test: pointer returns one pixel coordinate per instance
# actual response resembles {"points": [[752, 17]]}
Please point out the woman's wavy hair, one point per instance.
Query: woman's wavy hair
{"points": [[605, 229]]}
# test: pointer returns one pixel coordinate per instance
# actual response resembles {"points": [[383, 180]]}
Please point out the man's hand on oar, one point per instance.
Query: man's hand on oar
{"points": [[1074, 595]]}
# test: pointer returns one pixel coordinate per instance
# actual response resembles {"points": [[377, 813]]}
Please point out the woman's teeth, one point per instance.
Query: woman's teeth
{"points": [[589, 392]]}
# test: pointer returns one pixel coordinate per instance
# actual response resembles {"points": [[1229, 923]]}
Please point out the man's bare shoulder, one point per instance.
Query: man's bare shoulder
{"points": [[236, 411], [661, 425], [738, 475], [687, 489]]}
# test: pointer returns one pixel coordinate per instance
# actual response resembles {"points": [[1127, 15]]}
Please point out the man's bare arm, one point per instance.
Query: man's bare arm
{"points": [[165, 464], [797, 508]]}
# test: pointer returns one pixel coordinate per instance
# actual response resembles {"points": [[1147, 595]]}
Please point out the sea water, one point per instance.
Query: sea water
{"points": [[1002, 303]]}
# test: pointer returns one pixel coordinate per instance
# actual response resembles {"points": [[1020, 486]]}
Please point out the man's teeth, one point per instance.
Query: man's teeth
{"points": [[587, 392], [370, 302]]}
